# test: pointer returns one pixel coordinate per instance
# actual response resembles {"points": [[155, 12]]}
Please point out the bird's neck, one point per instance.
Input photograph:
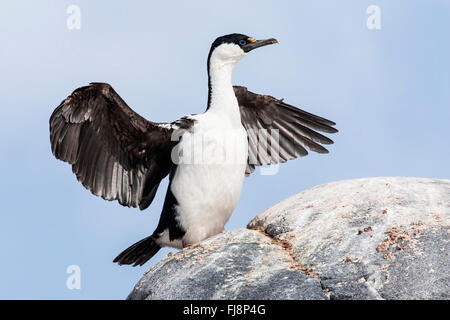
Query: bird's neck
{"points": [[221, 96]]}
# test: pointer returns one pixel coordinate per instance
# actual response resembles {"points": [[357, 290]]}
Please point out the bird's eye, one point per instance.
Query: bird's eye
{"points": [[242, 42]]}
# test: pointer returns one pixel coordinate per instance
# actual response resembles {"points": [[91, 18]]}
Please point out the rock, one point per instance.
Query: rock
{"points": [[241, 264], [375, 238]]}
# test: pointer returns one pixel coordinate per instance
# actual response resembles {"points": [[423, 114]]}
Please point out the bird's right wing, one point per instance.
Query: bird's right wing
{"points": [[114, 152]]}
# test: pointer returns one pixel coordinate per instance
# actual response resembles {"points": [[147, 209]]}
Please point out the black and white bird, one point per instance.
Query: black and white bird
{"points": [[118, 155]]}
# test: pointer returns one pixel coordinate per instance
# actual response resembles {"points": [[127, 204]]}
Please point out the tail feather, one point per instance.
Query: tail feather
{"points": [[139, 253]]}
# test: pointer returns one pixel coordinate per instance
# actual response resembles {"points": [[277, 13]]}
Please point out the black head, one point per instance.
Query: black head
{"points": [[246, 43], [228, 50]]}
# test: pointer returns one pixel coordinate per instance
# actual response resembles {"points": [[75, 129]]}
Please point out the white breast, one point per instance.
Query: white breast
{"points": [[208, 186]]}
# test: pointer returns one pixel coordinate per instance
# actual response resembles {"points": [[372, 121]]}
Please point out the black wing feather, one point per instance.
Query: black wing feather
{"points": [[296, 129], [114, 152]]}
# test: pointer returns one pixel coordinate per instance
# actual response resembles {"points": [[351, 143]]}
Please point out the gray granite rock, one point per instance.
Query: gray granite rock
{"points": [[241, 264], [375, 238]]}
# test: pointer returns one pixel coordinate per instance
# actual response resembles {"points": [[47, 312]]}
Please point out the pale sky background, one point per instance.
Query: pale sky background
{"points": [[387, 90]]}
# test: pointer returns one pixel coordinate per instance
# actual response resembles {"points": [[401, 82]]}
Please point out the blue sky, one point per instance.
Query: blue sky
{"points": [[387, 90]]}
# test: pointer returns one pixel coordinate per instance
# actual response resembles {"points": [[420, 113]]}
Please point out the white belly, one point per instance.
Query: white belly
{"points": [[208, 182]]}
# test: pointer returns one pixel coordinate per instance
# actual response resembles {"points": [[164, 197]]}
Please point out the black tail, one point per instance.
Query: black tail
{"points": [[139, 253]]}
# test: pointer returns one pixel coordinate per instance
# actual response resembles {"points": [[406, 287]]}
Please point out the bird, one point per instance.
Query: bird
{"points": [[119, 155]]}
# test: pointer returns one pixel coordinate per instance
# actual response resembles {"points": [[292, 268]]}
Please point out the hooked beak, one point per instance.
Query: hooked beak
{"points": [[253, 44]]}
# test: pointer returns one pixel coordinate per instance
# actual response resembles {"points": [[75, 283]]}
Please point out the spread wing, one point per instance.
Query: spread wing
{"points": [[114, 152], [296, 130]]}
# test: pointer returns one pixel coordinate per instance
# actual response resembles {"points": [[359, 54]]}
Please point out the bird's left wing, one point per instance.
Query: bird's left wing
{"points": [[114, 152], [277, 131]]}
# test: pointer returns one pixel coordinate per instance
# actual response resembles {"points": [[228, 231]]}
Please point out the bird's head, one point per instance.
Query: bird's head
{"points": [[233, 47]]}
